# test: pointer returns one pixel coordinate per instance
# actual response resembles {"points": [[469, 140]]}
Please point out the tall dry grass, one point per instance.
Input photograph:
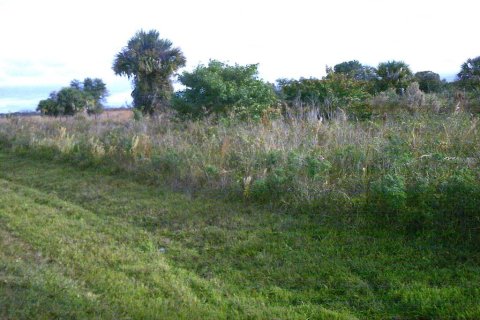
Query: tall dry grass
{"points": [[409, 167]]}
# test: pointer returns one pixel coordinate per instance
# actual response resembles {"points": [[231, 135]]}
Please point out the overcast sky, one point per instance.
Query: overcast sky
{"points": [[46, 44]]}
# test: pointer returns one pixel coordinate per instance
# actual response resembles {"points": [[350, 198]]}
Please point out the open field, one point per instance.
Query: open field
{"points": [[119, 219]]}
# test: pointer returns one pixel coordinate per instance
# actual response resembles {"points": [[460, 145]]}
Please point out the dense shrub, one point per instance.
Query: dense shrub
{"points": [[328, 95], [418, 173], [393, 75], [221, 89], [356, 70], [88, 96], [413, 100], [429, 82], [388, 195]]}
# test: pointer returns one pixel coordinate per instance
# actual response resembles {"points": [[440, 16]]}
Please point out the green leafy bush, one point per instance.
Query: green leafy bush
{"points": [[393, 75], [221, 89], [388, 195], [429, 81], [420, 172], [316, 166], [88, 95], [168, 162], [328, 95], [274, 186]]}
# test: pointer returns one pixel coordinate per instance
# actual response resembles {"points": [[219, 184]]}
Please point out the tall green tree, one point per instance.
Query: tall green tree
{"points": [[469, 75], [394, 74], [96, 88], [150, 63], [71, 101], [429, 81], [49, 106], [67, 101], [355, 70], [95, 92]]}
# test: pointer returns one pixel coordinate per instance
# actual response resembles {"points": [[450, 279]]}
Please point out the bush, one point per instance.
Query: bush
{"points": [[387, 101], [429, 82], [79, 96], [327, 96], [273, 187], [393, 75], [388, 195], [220, 89], [419, 172], [413, 100], [316, 166]]}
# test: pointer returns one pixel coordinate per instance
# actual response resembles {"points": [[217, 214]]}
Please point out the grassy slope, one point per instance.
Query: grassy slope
{"points": [[82, 244]]}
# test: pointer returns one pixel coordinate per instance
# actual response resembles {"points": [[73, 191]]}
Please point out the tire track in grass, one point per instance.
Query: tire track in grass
{"points": [[240, 262], [32, 287], [115, 260], [120, 263]]}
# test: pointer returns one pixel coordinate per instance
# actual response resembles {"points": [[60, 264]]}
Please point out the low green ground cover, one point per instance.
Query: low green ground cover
{"points": [[83, 243]]}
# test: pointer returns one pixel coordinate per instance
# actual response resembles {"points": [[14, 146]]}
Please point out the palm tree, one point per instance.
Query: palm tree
{"points": [[469, 76], [394, 74], [150, 62]]}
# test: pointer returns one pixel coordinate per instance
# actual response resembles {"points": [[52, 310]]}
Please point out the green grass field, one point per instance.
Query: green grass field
{"points": [[83, 244]]}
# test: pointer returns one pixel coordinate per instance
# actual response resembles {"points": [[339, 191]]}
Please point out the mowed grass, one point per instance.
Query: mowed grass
{"points": [[84, 244]]}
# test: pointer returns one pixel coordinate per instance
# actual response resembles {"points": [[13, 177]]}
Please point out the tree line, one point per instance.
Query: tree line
{"points": [[151, 63], [88, 96]]}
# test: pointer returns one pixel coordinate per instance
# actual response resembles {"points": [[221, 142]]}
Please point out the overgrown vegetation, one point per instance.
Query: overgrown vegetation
{"points": [[354, 195], [219, 89], [89, 244], [337, 94], [411, 171]]}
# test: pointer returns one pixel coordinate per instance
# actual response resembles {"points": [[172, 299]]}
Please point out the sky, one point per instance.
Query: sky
{"points": [[48, 43]]}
